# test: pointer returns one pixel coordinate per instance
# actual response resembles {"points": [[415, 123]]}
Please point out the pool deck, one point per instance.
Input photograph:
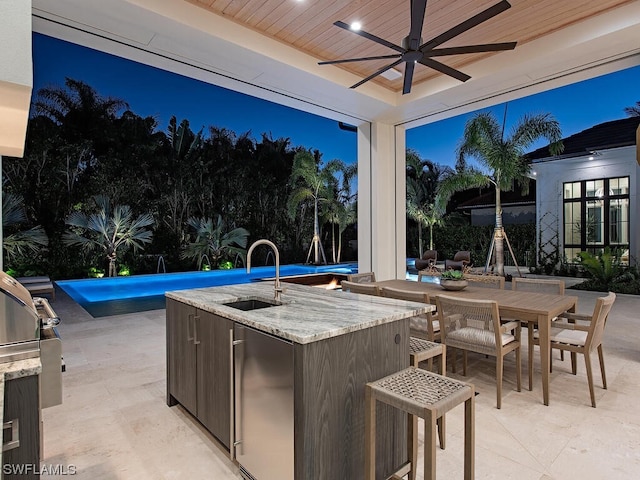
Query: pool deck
{"points": [[114, 421]]}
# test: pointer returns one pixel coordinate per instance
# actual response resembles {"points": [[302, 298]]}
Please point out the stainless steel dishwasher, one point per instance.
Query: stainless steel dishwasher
{"points": [[263, 405]]}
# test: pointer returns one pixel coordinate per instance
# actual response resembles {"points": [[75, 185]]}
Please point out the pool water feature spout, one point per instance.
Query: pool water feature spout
{"points": [[277, 287], [161, 262]]}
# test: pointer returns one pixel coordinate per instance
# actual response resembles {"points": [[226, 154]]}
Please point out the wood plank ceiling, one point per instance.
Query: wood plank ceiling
{"points": [[307, 25]]}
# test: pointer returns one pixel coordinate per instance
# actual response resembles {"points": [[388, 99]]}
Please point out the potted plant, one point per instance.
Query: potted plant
{"points": [[452, 280]]}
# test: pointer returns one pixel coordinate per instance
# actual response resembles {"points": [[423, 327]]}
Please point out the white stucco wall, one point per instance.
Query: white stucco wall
{"points": [[550, 175], [16, 74]]}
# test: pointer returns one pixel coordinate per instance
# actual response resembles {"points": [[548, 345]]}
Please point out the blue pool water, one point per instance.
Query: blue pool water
{"points": [[118, 295]]}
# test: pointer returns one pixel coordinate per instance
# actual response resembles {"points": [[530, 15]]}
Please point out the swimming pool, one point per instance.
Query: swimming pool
{"points": [[118, 295]]}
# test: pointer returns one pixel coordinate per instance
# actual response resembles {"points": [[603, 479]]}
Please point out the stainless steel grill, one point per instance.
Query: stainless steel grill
{"points": [[27, 330]]}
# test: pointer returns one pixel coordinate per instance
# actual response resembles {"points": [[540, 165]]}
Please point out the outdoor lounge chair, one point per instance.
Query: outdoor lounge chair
{"points": [[428, 259], [460, 260]]}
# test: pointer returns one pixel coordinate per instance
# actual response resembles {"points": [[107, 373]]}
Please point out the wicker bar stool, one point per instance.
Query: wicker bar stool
{"points": [[421, 350], [426, 395]]}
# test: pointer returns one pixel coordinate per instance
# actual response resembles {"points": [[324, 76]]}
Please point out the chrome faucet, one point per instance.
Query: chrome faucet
{"points": [[277, 289]]}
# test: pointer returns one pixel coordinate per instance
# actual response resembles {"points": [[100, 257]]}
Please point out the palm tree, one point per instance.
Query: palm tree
{"points": [[502, 158], [347, 216], [83, 115], [212, 242], [312, 182], [422, 181], [109, 230], [633, 111], [20, 243], [341, 212]]}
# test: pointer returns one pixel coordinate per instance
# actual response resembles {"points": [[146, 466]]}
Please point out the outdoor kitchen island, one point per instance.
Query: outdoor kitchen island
{"points": [[282, 386]]}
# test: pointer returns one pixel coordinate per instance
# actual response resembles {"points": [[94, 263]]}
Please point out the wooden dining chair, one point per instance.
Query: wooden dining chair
{"points": [[536, 285], [489, 281], [474, 326], [364, 277], [578, 333], [365, 288], [425, 326]]}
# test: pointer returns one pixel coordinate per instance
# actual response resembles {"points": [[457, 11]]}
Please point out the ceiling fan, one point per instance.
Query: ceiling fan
{"points": [[414, 51]]}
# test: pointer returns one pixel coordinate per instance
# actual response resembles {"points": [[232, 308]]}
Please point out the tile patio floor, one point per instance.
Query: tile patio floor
{"points": [[114, 422]]}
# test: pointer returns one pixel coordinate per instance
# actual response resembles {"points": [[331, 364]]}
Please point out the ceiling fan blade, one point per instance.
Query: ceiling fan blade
{"points": [[467, 24], [380, 57], [441, 67], [397, 62], [369, 36], [408, 77], [418, 8], [489, 47]]}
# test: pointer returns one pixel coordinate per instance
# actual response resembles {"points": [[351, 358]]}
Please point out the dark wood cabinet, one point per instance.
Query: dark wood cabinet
{"points": [[330, 376], [199, 366], [21, 429], [181, 356], [214, 374]]}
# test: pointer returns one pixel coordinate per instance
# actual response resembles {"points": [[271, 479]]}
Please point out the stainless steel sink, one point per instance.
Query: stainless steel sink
{"points": [[251, 304]]}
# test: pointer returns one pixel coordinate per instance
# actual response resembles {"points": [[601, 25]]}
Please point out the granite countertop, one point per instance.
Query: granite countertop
{"points": [[12, 370], [307, 314]]}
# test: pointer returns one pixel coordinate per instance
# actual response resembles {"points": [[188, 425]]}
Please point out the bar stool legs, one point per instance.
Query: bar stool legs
{"points": [[420, 394]]}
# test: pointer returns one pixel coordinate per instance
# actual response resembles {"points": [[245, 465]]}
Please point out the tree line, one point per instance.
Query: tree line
{"points": [[86, 156], [100, 186]]}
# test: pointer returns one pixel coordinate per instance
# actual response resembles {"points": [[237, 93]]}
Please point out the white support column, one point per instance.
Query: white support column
{"points": [[16, 74], [382, 200], [1, 221], [16, 81]]}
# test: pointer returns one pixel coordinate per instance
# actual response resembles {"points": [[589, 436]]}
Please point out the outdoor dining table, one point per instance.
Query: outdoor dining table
{"points": [[536, 308]]}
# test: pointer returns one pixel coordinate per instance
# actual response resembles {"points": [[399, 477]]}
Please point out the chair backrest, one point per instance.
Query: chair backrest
{"points": [[462, 255], [421, 326], [482, 316], [538, 285], [364, 277], [366, 288], [491, 281], [599, 320], [422, 297]]}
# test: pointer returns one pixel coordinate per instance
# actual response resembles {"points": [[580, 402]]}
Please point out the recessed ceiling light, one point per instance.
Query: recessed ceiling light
{"points": [[355, 26], [591, 158], [391, 74]]}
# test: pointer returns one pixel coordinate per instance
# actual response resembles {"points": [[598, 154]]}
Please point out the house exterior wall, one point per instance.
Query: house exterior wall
{"points": [[550, 176]]}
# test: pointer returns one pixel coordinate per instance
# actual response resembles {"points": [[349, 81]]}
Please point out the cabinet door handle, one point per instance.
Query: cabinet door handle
{"points": [[14, 427], [190, 327], [196, 324]]}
